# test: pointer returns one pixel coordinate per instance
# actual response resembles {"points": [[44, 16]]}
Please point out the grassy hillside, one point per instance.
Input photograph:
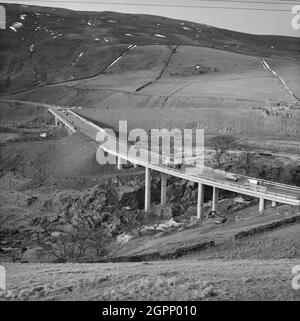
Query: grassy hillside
{"points": [[168, 280], [153, 71], [47, 45]]}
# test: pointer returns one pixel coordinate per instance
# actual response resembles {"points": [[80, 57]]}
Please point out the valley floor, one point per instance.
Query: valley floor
{"points": [[167, 280]]}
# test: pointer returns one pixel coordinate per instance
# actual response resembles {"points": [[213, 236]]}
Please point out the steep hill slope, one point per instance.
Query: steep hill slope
{"points": [[153, 71], [47, 45]]}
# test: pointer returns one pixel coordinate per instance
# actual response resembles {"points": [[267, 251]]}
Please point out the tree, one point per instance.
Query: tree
{"points": [[97, 241], [245, 161], [69, 245], [153, 218], [159, 214]]}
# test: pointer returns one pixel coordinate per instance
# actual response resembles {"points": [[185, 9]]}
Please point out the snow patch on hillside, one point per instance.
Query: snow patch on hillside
{"points": [[162, 226], [15, 26], [123, 238], [77, 59]]}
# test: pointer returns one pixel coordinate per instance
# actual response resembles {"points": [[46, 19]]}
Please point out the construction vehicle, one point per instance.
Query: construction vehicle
{"points": [[255, 181], [168, 162], [231, 177], [220, 219]]}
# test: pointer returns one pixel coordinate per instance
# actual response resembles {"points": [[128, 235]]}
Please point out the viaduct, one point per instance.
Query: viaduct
{"points": [[269, 191]]}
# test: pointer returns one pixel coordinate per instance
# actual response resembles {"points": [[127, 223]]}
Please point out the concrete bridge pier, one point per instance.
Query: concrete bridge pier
{"points": [[56, 121], [147, 189], [119, 162], [200, 200], [163, 189], [274, 204], [215, 199], [262, 204]]}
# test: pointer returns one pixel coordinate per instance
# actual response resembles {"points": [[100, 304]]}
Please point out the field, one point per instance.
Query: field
{"points": [[155, 281]]}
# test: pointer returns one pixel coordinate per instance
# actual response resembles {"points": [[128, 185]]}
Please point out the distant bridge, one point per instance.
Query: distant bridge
{"points": [[60, 121]]}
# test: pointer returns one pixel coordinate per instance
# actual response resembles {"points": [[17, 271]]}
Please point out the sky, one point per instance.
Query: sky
{"points": [[263, 21]]}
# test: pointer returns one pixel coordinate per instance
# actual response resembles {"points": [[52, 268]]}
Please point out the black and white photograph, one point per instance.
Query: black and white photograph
{"points": [[149, 154]]}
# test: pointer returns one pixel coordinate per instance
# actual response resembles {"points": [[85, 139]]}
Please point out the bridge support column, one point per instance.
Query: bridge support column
{"points": [[163, 189], [215, 199], [55, 121], [262, 204], [119, 164], [200, 200], [274, 204], [147, 188], [135, 165]]}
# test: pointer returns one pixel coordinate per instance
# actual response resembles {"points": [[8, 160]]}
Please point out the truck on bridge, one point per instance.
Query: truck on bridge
{"points": [[170, 163]]}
